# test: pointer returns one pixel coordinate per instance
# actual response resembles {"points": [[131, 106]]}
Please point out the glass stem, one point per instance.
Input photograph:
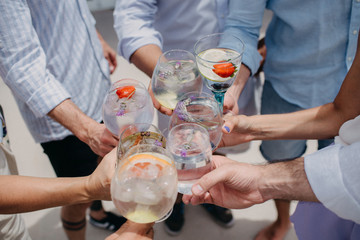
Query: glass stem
{"points": [[219, 96]]}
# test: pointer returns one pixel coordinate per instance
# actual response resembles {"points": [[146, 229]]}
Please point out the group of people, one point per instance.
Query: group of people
{"points": [[57, 66]]}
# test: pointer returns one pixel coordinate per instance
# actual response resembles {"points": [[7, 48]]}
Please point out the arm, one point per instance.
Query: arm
{"points": [[319, 123], [23, 68], [23, 194], [94, 134], [245, 23], [238, 185], [133, 231]]}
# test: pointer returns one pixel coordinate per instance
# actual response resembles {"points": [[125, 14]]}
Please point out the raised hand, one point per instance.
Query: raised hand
{"points": [[230, 184]]}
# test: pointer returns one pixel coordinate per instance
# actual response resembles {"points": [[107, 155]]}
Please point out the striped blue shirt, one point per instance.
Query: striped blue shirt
{"points": [[49, 52]]}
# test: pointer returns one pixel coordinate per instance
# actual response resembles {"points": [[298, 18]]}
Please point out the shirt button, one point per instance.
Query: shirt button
{"points": [[357, 0], [355, 31], [349, 59]]}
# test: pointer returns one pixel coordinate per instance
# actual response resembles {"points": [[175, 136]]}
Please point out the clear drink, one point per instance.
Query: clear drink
{"points": [[139, 133], [202, 109], [175, 74], [144, 186], [127, 102], [218, 57], [218, 72], [190, 146]]}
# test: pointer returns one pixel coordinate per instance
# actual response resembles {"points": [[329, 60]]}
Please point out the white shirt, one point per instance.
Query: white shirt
{"points": [[334, 172], [169, 24], [49, 52]]}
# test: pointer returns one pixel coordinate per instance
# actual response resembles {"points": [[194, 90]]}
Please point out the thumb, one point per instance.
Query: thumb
{"points": [[206, 182], [229, 124]]}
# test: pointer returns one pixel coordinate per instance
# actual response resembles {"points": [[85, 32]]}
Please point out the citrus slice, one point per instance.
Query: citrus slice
{"points": [[142, 216]]}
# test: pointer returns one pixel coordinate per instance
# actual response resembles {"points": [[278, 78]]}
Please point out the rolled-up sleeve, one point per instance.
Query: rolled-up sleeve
{"points": [[134, 26], [244, 21], [23, 61], [334, 176]]}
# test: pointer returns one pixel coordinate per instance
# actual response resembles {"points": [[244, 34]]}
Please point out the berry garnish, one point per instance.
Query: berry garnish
{"points": [[224, 70], [125, 92]]}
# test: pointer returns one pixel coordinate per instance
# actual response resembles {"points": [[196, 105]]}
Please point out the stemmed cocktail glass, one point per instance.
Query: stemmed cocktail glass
{"points": [[202, 109], [190, 147], [218, 57], [175, 74], [127, 102], [144, 187]]}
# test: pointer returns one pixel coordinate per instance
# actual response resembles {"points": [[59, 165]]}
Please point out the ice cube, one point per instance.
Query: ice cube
{"points": [[147, 193]]}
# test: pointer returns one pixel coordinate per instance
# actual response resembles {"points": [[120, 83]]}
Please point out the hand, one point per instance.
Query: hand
{"points": [[100, 139], [157, 105], [235, 130], [133, 231], [230, 104], [109, 54], [230, 184], [98, 183]]}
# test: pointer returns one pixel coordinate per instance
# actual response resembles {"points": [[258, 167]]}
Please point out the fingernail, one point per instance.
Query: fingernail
{"points": [[227, 128], [197, 189]]}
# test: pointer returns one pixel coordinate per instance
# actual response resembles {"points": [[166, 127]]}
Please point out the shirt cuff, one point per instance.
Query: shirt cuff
{"points": [[127, 48], [323, 171], [47, 97]]}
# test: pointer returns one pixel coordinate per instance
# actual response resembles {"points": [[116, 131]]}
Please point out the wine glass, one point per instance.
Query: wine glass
{"points": [[202, 109], [175, 73], [190, 147], [218, 57], [127, 102], [139, 133], [144, 187]]}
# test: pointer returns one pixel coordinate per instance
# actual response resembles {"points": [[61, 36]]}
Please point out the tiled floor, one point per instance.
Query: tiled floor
{"points": [[45, 224]]}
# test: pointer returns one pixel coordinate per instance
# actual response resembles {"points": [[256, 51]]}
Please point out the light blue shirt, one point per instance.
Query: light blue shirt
{"points": [[169, 24], [49, 52], [310, 44]]}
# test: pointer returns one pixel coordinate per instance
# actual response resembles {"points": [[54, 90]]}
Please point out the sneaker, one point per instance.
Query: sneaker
{"points": [[111, 222], [222, 216], [175, 222]]}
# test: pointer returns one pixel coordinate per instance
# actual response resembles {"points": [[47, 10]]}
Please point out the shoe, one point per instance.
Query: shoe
{"points": [[222, 216], [111, 222], [175, 222]]}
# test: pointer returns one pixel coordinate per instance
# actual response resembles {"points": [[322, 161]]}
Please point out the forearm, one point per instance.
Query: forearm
{"points": [[23, 194], [146, 57], [70, 116], [240, 81], [316, 123], [286, 180]]}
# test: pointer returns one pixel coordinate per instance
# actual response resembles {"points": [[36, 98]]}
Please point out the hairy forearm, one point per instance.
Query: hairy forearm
{"points": [[146, 57], [23, 194], [286, 180], [70, 116]]}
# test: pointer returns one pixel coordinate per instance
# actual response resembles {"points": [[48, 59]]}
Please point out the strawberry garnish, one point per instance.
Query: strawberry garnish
{"points": [[224, 70], [125, 92]]}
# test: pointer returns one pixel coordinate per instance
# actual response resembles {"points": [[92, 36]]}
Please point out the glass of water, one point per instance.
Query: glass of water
{"points": [[190, 147], [175, 74], [127, 102], [202, 109], [144, 186], [139, 133]]}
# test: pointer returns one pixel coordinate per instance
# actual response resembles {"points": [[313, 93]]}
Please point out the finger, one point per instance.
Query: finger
{"points": [[206, 182], [229, 124], [186, 199]]}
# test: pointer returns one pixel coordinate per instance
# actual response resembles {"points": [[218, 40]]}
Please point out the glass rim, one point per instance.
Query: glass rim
{"points": [[219, 34], [188, 95], [201, 128], [176, 50], [136, 124], [124, 79]]}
